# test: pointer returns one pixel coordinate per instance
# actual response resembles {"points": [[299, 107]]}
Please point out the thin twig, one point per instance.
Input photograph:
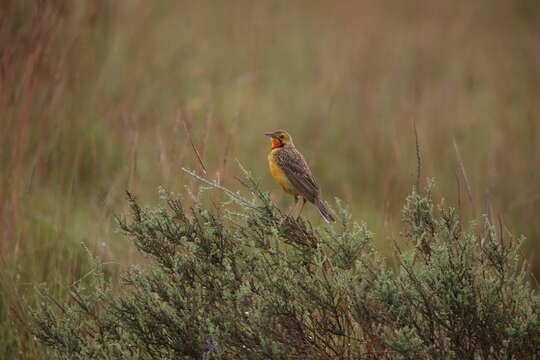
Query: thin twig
{"points": [[188, 132], [463, 172], [228, 143], [93, 271], [458, 189], [50, 298], [218, 187], [418, 157], [207, 124], [241, 182]]}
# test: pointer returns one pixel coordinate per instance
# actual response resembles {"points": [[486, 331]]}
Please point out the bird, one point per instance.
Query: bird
{"points": [[290, 170]]}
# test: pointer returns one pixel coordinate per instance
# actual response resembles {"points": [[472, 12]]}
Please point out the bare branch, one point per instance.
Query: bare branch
{"points": [[188, 132], [418, 157], [463, 172]]}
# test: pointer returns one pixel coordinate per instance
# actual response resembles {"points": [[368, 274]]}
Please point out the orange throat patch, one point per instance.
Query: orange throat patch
{"points": [[275, 143]]}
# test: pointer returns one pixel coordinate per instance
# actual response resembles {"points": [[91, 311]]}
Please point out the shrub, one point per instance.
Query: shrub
{"points": [[243, 282]]}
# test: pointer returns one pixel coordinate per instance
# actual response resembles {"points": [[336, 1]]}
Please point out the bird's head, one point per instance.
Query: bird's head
{"points": [[279, 138]]}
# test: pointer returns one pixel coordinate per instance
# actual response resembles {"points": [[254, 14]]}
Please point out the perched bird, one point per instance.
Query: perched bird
{"points": [[291, 171]]}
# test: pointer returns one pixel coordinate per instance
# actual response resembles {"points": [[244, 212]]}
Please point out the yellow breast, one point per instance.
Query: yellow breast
{"points": [[278, 174]]}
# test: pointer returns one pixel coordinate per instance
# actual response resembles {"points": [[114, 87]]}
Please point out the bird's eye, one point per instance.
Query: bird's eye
{"points": [[282, 137]]}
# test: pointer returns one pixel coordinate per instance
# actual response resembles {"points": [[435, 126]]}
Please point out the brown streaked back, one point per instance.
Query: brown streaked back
{"points": [[297, 172]]}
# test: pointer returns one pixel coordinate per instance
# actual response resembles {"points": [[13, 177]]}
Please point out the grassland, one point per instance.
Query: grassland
{"points": [[95, 97]]}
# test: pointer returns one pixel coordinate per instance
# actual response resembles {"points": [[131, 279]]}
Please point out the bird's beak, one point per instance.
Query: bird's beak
{"points": [[270, 134]]}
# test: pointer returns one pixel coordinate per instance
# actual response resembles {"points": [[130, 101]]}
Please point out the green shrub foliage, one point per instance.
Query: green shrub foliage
{"points": [[242, 282]]}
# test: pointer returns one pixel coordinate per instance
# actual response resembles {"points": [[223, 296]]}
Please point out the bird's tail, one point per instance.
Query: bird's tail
{"points": [[324, 211]]}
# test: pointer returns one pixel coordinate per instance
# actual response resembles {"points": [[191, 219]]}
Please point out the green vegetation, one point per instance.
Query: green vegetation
{"points": [[95, 97], [247, 284]]}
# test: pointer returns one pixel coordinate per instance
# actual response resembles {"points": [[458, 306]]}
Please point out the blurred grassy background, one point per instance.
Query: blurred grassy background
{"points": [[94, 94]]}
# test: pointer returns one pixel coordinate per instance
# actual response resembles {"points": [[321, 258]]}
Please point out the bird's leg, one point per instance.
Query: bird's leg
{"points": [[292, 207], [302, 207]]}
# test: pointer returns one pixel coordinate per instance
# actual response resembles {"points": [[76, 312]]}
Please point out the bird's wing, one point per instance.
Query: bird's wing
{"points": [[298, 173]]}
